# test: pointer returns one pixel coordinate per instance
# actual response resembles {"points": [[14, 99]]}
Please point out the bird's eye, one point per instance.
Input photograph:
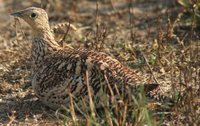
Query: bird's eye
{"points": [[33, 15]]}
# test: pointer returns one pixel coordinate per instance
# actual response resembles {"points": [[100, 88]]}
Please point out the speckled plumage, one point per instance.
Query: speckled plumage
{"points": [[58, 72]]}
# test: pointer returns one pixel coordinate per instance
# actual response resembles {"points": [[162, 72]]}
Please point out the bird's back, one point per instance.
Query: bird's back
{"points": [[67, 72]]}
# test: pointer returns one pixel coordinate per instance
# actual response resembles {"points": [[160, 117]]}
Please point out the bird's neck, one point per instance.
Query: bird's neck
{"points": [[43, 45]]}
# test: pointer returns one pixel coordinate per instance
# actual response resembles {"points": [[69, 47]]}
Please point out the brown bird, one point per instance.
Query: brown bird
{"points": [[59, 73]]}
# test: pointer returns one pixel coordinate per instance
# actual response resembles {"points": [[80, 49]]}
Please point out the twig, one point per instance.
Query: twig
{"points": [[91, 103], [96, 20], [65, 35], [72, 109], [146, 61], [110, 89]]}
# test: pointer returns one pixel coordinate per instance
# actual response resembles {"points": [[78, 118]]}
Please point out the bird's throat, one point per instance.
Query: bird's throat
{"points": [[42, 46]]}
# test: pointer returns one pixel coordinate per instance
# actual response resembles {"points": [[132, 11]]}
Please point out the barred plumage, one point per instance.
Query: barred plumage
{"points": [[59, 72]]}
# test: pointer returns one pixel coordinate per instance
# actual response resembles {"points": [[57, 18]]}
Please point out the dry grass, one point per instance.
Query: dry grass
{"points": [[147, 36]]}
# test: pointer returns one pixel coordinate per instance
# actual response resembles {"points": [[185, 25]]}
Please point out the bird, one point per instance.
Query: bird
{"points": [[59, 74], [61, 30]]}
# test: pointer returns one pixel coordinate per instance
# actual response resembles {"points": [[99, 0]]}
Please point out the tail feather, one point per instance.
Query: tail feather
{"points": [[150, 87], [158, 96]]}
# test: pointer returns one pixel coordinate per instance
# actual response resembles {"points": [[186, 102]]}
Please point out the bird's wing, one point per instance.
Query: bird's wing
{"points": [[77, 62], [72, 68]]}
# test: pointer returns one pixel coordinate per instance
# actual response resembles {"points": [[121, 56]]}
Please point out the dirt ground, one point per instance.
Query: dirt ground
{"points": [[128, 32]]}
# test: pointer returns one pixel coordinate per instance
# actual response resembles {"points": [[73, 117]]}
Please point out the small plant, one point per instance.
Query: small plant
{"points": [[191, 14]]}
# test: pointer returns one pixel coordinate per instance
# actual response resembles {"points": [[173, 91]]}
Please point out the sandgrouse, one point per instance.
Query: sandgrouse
{"points": [[61, 73]]}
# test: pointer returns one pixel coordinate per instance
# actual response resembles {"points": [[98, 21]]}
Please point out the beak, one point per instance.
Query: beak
{"points": [[17, 14]]}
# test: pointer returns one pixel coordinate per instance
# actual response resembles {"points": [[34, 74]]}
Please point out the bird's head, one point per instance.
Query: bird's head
{"points": [[37, 18]]}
